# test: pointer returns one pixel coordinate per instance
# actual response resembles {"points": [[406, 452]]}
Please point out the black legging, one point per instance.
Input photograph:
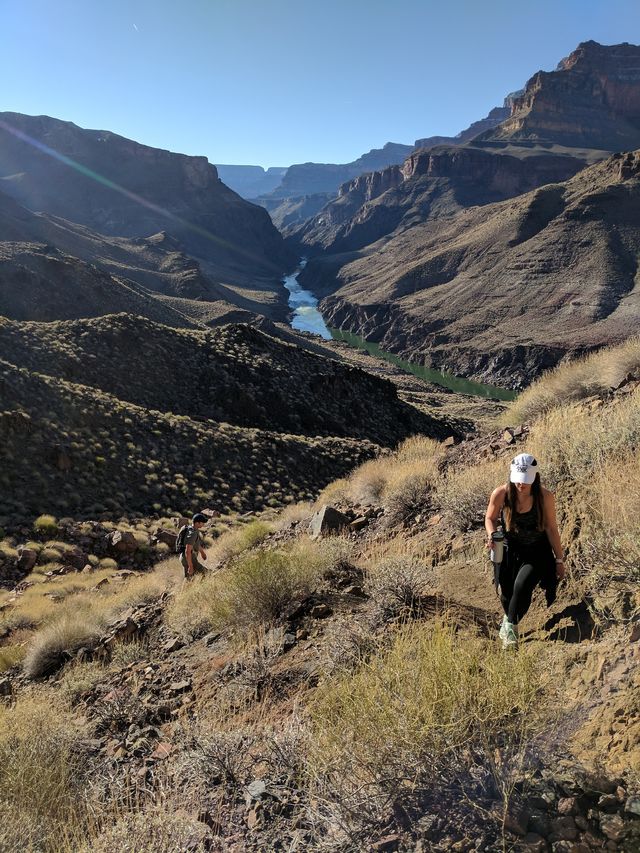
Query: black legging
{"points": [[516, 589]]}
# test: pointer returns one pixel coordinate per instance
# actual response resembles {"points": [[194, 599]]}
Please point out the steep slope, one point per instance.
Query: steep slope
{"points": [[74, 449], [158, 263], [121, 188], [504, 290], [233, 374]]}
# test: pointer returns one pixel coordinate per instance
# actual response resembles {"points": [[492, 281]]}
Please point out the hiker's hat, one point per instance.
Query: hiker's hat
{"points": [[524, 468], [199, 516]]}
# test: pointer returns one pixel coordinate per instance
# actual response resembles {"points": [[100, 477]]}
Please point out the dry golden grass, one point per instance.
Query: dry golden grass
{"points": [[464, 493], [419, 713], [571, 441], [576, 380], [43, 775], [235, 541]]}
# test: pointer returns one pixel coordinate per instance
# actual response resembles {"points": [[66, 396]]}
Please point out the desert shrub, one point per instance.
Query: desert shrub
{"points": [[252, 590], [397, 583], [43, 774], [368, 481], [576, 380], [407, 490], [420, 715], [570, 442], [238, 540], [129, 652], [464, 493], [153, 830], [78, 679], [46, 524]]}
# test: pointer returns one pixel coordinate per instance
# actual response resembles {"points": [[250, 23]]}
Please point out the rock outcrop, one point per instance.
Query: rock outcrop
{"points": [[591, 100]]}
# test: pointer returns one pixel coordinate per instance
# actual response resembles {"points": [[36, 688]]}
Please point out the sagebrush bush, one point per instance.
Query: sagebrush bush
{"points": [[252, 590]]}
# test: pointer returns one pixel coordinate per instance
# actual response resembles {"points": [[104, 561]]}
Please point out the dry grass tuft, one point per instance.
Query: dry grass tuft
{"points": [[576, 380]]}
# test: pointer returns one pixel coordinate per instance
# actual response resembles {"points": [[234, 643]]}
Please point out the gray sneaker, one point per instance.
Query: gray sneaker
{"points": [[510, 639], [502, 633]]}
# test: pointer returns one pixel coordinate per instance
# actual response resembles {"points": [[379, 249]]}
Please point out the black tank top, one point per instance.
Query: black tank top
{"points": [[525, 530]]}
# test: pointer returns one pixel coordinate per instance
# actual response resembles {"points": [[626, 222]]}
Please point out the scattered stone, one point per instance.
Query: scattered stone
{"points": [[635, 633], [434, 520], [288, 642], [608, 802], [179, 687], [6, 688], [612, 826], [256, 789], [450, 441], [534, 843], [102, 583], [632, 806], [27, 559], [122, 542], [173, 645], [327, 520], [518, 431], [163, 750], [563, 829], [356, 591], [508, 436], [320, 611], [252, 818], [358, 523], [167, 537], [567, 806]]}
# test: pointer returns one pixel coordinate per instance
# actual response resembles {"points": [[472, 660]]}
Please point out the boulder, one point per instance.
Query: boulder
{"points": [[168, 537], [27, 559], [327, 520], [122, 542]]}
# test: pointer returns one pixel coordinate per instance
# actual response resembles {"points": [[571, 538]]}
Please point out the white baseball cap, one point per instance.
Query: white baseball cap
{"points": [[524, 468]]}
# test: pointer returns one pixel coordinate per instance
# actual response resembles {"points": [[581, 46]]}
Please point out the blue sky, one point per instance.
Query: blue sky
{"points": [[275, 82]]}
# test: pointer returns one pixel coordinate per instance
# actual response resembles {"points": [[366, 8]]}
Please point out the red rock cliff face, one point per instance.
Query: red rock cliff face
{"points": [[592, 100]]}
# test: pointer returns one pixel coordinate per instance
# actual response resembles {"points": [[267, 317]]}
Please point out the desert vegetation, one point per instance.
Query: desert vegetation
{"points": [[342, 691]]}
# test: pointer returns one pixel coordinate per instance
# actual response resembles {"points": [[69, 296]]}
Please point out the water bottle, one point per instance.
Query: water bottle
{"points": [[497, 546]]}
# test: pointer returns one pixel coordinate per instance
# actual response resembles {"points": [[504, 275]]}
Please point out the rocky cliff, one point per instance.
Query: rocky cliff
{"points": [[591, 100], [503, 291], [121, 188], [430, 183], [251, 181]]}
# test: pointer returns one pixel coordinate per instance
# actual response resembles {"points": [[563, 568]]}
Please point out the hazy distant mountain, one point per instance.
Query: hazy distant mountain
{"points": [[251, 181]]}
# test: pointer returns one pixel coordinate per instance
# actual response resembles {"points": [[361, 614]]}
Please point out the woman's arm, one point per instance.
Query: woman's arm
{"points": [[492, 515], [551, 529]]}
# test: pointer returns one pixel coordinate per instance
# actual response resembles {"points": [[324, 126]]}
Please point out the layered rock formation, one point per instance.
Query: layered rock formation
{"points": [[592, 100], [430, 183], [494, 117], [503, 291]]}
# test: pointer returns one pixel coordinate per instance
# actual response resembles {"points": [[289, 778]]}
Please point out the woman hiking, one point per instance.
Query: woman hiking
{"points": [[533, 553]]}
